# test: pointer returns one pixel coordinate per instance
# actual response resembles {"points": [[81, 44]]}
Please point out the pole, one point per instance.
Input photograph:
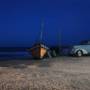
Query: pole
{"points": [[41, 32], [59, 40]]}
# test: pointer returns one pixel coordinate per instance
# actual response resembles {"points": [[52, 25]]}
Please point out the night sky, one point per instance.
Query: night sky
{"points": [[66, 22]]}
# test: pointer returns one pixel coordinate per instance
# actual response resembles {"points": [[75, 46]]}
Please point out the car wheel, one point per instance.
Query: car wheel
{"points": [[79, 53]]}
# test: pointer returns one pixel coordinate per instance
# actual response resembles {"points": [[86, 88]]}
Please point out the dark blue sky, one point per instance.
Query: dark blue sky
{"points": [[20, 21]]}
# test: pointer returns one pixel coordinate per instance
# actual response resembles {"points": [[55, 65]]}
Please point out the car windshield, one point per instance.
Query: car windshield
{"points": [[85, 43]]}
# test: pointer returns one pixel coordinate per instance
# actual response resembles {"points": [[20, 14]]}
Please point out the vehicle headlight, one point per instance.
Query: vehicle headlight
{"points": [[72, 50]]}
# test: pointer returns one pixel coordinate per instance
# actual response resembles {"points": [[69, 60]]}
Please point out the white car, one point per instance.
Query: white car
{"points": [[82, 49]]}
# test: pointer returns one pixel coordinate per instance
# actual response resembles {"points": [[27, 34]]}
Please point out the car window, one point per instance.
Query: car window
{"points": [[85, 43], [88, 43]]}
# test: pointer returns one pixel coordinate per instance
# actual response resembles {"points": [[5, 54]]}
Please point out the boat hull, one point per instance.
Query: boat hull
{"points": [[38, 51]]}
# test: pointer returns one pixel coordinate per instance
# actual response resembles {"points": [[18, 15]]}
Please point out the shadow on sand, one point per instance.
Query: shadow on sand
{"points": [[21, 62]]}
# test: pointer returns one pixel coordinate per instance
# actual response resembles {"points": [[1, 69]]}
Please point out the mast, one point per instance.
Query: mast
{"points": [[59, 39], [41, 31]]}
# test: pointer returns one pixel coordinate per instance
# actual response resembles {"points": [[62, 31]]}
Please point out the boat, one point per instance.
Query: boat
{"points": [[39, 50]]}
